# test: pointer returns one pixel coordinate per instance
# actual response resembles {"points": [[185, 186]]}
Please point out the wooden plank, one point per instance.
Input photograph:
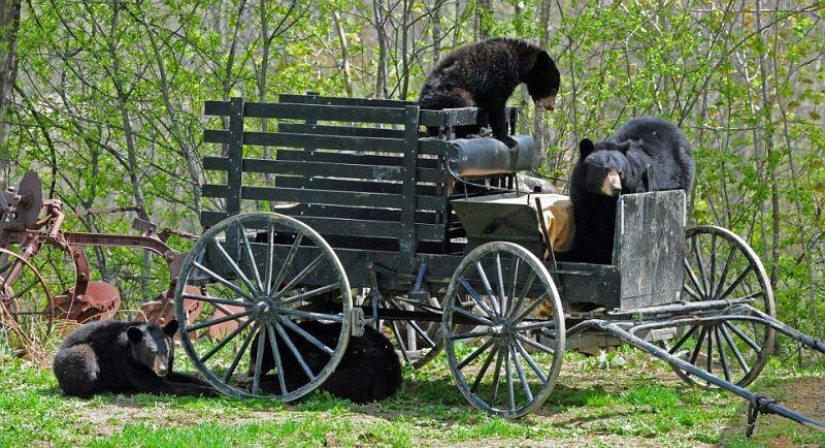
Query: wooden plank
{"points": [[217, 108], [359, 144], [308, 169], [408, 229], [355, 199], [339, 157], [210, 218], [297, 111], [432, 146], [344, 131], [372, 214], [216, 136], [449, 117], [235, 156], [215, 191], [318, 183], [343, 101], [214, 163]]}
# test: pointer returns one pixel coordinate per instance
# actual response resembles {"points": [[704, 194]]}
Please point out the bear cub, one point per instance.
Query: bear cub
{"points": [[123, 357], [369, 370], [645, 154], [484, 75]]}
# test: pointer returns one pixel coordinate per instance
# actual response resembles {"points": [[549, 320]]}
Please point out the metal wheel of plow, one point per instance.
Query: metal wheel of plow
{"points": [[264, 278], [503, 330], [722, 266], [25, 300]]}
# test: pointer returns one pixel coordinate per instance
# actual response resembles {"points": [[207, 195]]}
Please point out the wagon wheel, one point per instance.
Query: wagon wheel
{"points": [[268, 274], [24, 298], [418, 342], [721, 266], [507, 361]]}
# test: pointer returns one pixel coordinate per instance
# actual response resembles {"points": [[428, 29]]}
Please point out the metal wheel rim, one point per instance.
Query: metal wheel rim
{"points": [[26, 321], [715, 279], [268, 310], [501, 332]]}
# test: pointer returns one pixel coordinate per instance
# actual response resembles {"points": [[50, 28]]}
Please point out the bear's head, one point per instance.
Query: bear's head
{"points": [[602, 167], [152, 346], [543, 81]]}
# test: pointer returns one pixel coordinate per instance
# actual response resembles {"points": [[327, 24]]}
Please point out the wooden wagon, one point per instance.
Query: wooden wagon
{"points": [[343, 210]]}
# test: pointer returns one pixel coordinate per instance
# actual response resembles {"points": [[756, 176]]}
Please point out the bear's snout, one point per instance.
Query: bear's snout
{"points": [[548, 103], [161, 366]]}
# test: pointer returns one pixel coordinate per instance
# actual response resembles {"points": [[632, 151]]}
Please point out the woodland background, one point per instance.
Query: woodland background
{"points": [[105, 99]]}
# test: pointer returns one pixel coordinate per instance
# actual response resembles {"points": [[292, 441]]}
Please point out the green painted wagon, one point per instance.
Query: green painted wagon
{"points": [[344, 210]]}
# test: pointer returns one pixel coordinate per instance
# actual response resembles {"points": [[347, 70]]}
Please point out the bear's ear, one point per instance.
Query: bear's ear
{"points": [[623, 146], [585, 148], [135, 334], [170, 328]]}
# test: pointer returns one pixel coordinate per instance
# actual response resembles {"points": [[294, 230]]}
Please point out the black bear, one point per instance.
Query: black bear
{"points": [[369, 370], [123, 357], [645, 154], [484, 75]]}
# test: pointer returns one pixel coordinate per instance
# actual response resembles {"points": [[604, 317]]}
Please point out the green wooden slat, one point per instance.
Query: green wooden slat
{"points": [[365, 186], [323, 141], [215, 163], [408, 229], [210, 218], [344, 131], [371, 229], [433, 147], [325, 113], [215, 191], [368, 102], [450, 117], [217, 108], [371, 214], [215, 136], [353, 159], [355, 199], [388, 173]]}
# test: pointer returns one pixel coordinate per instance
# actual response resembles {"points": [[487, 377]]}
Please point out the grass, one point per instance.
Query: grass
{"points": [[639, 403]]}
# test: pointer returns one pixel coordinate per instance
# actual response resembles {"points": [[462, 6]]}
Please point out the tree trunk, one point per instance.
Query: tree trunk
{"points": [[9, 25]]}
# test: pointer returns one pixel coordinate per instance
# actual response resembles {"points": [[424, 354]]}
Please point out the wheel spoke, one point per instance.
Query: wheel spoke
{"points": [[522, 378], [309, 315], [531, 278], [290, 256], [508, 377], [709, 357], [307, 294], [216, 300], [529, 310], [698, 347], [241, 352], [468, 335], [220, 320], [473, 317], [736, 282], [485, 282], [476, 297], [421, 333], [724, 277], [253, 264], [516, 265], [722, 356], [400, 341], [224, 281], [536, 369], [259, 359], [743, 336], [736, 353], [225, 340], [683, 339], [306, 335], [276, 354], [692, 293], [292, 348], [712, 264], [535, 344], [496, 375], [692, 277], [483, 370], [502, 297], [300, 277], [700, 262], [475, 354], [231, 262], [270, 257]]}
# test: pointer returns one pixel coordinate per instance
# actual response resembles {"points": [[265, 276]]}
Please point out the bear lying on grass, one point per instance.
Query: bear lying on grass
{"points": [[123, 357], [484, 75], [369, 370], [645, 154]]}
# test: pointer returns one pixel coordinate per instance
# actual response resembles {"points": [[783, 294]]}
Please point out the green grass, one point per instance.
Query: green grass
{"points": [[641, 403]]}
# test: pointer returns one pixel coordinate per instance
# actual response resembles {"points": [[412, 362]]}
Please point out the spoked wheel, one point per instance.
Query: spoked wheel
{"points": [[287, 292], [25, 300], [722, 266], [503, 329], [418, 342]]}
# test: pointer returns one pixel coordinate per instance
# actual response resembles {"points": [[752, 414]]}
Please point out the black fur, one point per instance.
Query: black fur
{"points": [[369, 370], [485, 74], [123, 357], [649, 153]]}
